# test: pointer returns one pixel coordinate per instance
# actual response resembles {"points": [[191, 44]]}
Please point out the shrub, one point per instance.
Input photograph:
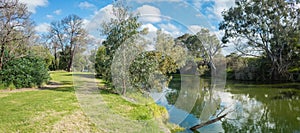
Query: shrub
{"points": [[28, 71]]}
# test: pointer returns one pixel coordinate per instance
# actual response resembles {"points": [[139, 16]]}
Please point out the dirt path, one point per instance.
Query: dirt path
{"points": [[96, 109]]}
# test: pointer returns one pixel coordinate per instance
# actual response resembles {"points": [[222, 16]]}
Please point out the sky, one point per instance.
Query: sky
{"points": [[175, 17]]}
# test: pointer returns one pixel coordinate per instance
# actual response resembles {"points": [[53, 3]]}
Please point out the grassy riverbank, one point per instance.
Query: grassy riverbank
{"points": [[55, 108]]}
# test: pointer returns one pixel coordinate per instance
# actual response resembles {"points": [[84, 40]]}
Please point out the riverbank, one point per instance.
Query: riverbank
{"points": [[59, 107]]}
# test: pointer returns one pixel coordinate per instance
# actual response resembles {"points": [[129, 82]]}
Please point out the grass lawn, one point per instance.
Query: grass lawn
{"points": [[53, 109]]}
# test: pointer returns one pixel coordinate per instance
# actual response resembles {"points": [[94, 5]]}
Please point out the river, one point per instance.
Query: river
{"points": [[251, 107]]}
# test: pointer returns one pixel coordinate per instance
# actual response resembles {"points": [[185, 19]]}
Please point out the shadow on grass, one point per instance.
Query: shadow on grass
{"points": [[64, 86], [61, 88], [83, 75], [66, 82]]}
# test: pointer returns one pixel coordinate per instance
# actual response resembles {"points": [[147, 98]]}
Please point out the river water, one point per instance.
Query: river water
{"points": [[250, 107]]}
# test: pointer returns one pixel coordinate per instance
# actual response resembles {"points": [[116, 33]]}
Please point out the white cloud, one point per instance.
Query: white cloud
{"points": [[57, 12], [151, 34], [151, 27], [151, 1], [49, 16], [220, 6], [298, 5], [33, 4], [86, 5], [149, 14], [197, 3], [44, 27], [170, 29], [86, 23], [194, 28], [100, 16]]}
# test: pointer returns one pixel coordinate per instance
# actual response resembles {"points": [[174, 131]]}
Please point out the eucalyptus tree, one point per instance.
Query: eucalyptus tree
{"points": [[68, 36], [269, 28], [150, 70], [15, 29], [122, 27], [192, 43], [211, 45], [203, 46]]}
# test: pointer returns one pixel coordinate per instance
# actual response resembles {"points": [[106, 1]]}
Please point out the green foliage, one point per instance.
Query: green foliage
{"points": [[28, 71], [101, 61], [247, 68], [64, 57], [149, 69], [204, 46], [16, 29], [119, 32], [43, 53], [268, 28]]}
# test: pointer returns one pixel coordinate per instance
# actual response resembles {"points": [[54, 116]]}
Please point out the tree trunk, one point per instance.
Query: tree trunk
{"points": [[55, 59], [124, 73], [207, 123], [69, 69], [2, 56]]}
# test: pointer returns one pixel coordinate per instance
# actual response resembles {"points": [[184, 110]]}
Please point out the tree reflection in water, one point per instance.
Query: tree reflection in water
{"points": [[256, 108]]}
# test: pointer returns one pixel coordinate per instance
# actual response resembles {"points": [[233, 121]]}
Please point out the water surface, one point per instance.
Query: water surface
{"points": [[251, 107]]}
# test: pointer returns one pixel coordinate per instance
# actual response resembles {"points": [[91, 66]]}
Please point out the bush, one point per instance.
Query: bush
{"points": [[28, 71]]}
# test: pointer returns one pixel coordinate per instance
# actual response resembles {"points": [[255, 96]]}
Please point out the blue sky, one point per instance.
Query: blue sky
{"points": [[175, 17]]}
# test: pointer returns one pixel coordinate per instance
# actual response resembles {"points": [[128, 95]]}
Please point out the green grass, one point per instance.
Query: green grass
{"points": [[50, 109], [56, 109], [133, 111]]}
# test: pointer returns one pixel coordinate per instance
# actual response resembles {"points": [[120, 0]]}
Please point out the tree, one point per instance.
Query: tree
{"points": [[16, 29], [122, 27], [68, 36], [203, 46], [211, 45], [43, 53], [27, 71], [165, 44], [269, 28], [150, 70], [100, 61], [192, 43]]}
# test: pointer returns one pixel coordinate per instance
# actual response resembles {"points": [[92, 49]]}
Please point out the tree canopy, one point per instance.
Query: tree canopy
{"points": [[16, 29], [67, 38], [269, 28]]}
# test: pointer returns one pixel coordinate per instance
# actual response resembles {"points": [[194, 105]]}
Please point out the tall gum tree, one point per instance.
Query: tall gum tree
{"points": [[123, 26], [68, 36], [269, 28]]}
